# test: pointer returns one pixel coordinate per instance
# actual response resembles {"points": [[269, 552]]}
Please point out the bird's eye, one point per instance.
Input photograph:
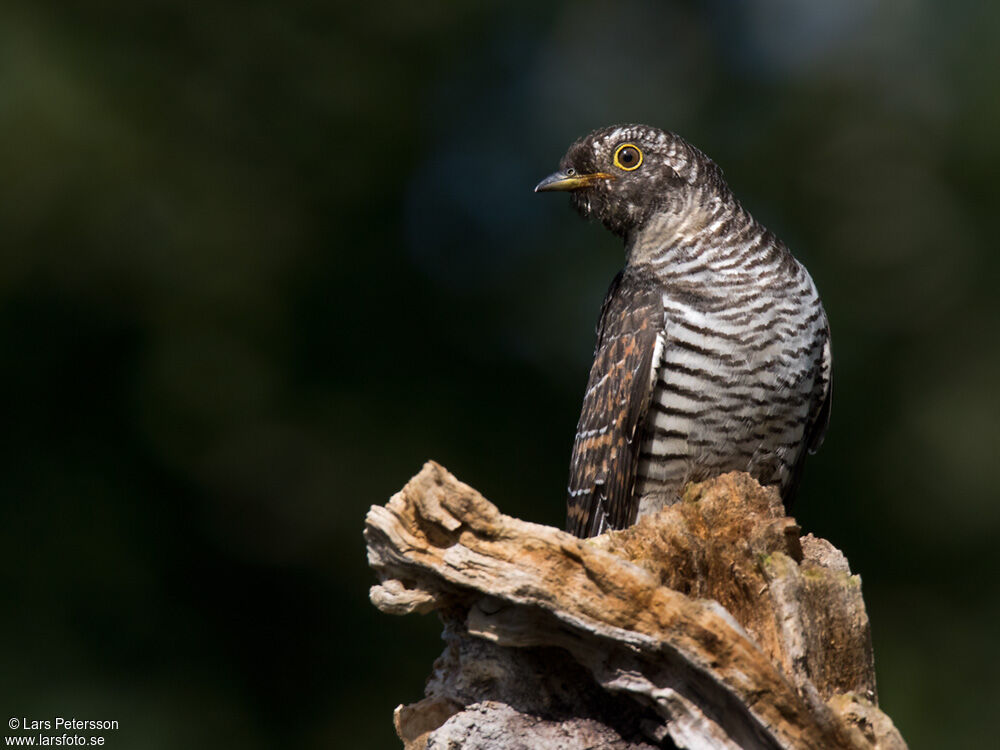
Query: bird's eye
{"points": [[628, 157], [570, 172]]}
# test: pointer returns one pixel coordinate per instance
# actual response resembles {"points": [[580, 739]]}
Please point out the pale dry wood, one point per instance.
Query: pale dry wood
{"points": [[712, 624]]}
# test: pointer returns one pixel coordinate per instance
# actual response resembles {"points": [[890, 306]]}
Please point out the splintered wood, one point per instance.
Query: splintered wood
{"points": [[713, 624]]}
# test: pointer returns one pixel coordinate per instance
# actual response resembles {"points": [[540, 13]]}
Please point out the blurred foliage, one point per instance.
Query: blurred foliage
{"points": [[260, 260]]}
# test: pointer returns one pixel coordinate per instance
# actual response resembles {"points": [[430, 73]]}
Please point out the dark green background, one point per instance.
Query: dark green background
{"points": [[261, 260]]}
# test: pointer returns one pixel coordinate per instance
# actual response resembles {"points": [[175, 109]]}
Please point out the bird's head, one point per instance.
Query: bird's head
{"points": [[625, 174]]}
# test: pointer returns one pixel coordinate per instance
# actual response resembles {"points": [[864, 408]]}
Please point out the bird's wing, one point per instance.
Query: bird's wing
{"points": [[818, 419], [619, 392]]}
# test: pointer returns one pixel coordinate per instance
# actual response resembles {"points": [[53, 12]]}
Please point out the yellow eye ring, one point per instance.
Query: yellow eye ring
{"points": [[628, 156]]}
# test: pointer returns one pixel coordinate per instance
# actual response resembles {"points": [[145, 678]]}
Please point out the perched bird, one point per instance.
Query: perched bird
{"points": [[713, 349]]}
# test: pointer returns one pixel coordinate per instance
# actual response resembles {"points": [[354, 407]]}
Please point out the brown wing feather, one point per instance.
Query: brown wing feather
{"points": [[619, 392]]}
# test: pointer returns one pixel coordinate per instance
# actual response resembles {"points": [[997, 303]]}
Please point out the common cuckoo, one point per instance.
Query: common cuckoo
{"points": [[713, 349]]}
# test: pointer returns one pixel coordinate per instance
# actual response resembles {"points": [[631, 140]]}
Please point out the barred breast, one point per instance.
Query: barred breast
{"points": [[712, 350], [736, 384]]}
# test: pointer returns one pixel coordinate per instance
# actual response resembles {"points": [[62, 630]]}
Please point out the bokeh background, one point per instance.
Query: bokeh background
{"points": [[261, 260]]}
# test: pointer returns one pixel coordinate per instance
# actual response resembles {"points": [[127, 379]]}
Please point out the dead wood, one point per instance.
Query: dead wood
{"points": [[713, 624]]}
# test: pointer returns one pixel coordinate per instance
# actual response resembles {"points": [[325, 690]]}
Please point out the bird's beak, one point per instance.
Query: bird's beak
{"points": [[563, 181]]}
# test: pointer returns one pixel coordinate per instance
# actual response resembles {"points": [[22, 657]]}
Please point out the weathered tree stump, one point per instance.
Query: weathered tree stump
{"points": [[713, 624]]}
